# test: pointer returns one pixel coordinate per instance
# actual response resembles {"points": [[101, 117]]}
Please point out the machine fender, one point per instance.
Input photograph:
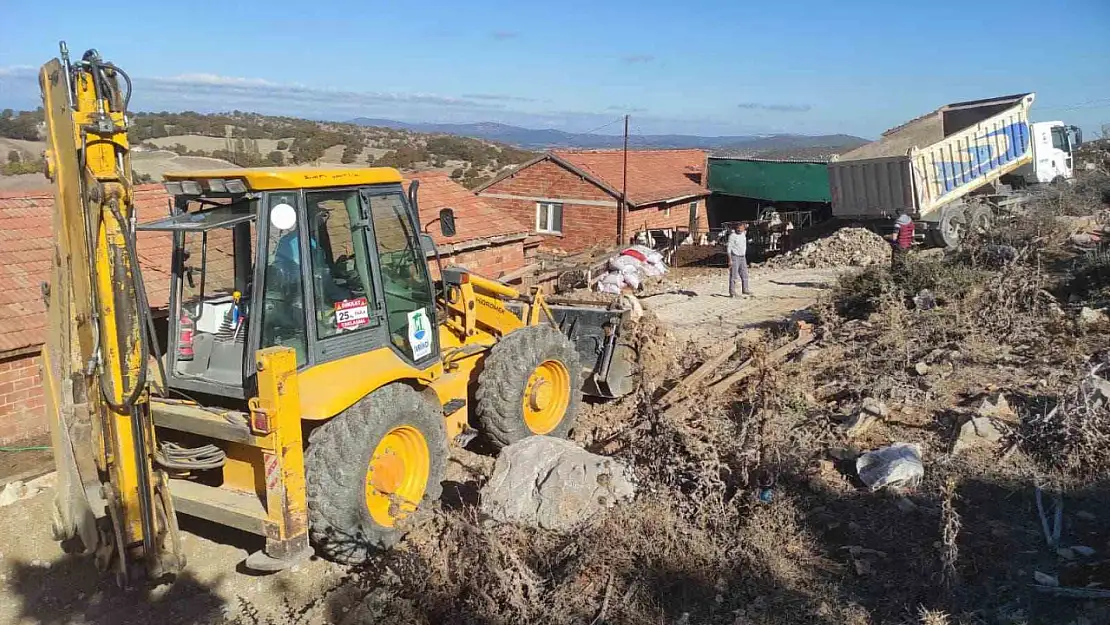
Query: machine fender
{"points": [[332, 387]]}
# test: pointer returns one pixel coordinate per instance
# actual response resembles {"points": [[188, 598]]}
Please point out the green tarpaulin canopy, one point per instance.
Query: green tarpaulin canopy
{"points": [[774, 181]]}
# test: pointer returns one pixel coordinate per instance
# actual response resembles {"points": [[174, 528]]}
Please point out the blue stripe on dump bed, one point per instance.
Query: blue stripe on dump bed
{"points": [[1009, 144]]}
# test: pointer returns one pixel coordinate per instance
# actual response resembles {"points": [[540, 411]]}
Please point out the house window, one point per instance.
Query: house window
{"points": [[549, 217], [693, 210], [667, 211]]}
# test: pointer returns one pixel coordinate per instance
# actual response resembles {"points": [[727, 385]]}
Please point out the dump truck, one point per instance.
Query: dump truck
{"points": [[316, 369], [954, 169]]}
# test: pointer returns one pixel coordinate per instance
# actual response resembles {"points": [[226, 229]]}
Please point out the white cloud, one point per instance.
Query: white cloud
{"points": [[16, 71]]}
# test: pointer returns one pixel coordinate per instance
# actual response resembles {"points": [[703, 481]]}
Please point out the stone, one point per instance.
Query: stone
{"points": [[875, 407], [1045, 579], [924, 300], [1065, 553], [1086, 516], [1091, 316], [553, 484], [921, 368], [1083, 550], [859, 424], [976, 432], [905, 504], [996, 406], [13, 492]]}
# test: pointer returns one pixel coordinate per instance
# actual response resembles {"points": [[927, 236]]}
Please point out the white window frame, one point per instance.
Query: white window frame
{"points": [[549, 227]]}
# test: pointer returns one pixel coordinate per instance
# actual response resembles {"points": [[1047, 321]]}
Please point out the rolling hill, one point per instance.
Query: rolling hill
{"points": [[780, 145]]}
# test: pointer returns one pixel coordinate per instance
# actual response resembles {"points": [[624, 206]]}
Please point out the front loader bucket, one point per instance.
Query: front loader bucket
{"points": [[600, 336]]}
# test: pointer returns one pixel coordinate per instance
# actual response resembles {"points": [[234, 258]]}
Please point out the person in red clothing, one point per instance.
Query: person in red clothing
{"points": [[902, 239]]}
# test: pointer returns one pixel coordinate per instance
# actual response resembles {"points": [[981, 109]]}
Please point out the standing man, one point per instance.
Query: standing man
{"points": [[738, 259], [902, 238]]}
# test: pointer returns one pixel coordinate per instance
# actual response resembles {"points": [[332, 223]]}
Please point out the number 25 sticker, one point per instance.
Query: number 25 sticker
{"points": [[352, 313]]}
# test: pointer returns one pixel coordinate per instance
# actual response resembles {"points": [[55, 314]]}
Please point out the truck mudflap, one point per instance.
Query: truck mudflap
{"points": [[601, 337]]}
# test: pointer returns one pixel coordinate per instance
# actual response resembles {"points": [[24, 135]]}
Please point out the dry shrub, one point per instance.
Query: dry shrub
{"points": [[1089, 278], [1071, 433]]}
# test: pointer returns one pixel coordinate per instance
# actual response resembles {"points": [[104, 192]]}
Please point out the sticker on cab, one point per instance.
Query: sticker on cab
{"points": [[352, 313], [420, 334]]}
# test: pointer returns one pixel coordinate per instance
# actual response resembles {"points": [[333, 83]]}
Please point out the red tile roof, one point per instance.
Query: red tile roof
{"points": [[474, 218], [653, 175], [26, 238]]}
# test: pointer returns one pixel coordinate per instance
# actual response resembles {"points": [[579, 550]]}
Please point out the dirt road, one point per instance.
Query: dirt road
{"points": [[41, 585], [695, 302]]}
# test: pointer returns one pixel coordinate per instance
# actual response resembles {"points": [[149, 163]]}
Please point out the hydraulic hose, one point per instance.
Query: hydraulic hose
{"points": [[174, 456]]}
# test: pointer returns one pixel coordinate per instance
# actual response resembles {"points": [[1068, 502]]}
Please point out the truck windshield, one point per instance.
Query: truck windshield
{"points": [[1060, 139]]}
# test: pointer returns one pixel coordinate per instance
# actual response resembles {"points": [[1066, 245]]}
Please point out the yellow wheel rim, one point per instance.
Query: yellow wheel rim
{"points": [[398, 475], [546, 396]]}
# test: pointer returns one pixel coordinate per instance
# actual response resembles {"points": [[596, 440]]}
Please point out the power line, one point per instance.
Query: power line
{"points": [[603, 126]]}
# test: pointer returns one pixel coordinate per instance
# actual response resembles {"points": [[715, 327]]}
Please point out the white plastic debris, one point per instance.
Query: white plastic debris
{"points": [[897, 466]]}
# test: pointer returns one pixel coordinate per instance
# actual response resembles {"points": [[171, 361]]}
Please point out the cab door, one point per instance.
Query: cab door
{"points": [[401, 273]]}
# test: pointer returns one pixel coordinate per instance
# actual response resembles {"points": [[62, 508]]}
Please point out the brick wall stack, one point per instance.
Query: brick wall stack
{"points": [[21, 399]]}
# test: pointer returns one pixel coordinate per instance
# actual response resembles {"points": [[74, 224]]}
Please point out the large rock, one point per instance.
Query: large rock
{"points": [[553, 484]]}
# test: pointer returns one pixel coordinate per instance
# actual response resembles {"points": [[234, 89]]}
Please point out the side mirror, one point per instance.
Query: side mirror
{"points": [[447, 222]]}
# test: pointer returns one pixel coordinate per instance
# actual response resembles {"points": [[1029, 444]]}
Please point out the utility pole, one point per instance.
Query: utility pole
{"points": [[622, 211]]}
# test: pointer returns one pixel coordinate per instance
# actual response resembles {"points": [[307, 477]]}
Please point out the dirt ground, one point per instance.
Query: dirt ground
{"points": [[694, 302]]}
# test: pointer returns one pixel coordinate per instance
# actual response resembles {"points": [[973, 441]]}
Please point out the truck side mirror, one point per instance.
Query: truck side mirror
{"points": [[447, 222]]}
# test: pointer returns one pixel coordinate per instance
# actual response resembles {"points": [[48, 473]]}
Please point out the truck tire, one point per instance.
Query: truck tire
{"points": [[529, 386], [980, 219], [951, 228], [370, 467]]}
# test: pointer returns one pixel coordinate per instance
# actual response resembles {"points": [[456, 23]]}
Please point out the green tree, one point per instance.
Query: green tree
{"points": [[275, 158], [283, 145], [13, 157]]}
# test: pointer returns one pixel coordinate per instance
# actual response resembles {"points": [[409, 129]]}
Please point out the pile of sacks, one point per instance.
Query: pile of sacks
{"points": [[630, 268]]}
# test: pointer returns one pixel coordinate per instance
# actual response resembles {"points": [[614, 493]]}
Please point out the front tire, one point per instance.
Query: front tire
{"points": [[370, 467], [529, 386]]}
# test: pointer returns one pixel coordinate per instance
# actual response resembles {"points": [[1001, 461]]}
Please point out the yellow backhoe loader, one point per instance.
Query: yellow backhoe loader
{"points": [[314, 372]]}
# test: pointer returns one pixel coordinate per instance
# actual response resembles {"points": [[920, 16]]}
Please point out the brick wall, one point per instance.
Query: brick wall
{"points": [[21, 399], [584, 225], [656, 216], [490, 261]]}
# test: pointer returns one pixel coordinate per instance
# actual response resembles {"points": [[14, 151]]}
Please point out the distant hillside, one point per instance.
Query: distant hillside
{"points": [[168, 141], [767, 146]]}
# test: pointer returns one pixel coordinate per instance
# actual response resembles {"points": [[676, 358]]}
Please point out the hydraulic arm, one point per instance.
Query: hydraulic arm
{"points": [[95, 368]]}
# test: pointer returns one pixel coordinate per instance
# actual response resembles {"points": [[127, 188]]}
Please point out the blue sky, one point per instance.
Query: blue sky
{"points": [[710, 67]]}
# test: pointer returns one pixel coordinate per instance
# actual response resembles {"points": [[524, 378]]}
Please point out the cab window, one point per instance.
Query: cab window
{"points": [[340, 271], [283, 311], [408, 294]]}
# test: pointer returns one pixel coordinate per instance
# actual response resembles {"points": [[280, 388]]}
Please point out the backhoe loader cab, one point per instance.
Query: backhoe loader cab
{"points": [[328, 263]]}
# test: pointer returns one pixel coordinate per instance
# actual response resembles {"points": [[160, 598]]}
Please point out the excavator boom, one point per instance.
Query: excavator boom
{"points": [[95, 357]]}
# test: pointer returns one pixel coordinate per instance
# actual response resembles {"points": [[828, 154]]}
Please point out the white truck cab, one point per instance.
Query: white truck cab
{"points": [[1053, 145]]}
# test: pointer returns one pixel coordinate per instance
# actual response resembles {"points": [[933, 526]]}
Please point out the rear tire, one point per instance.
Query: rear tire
{"points": [[951, 228], [529, 386], [370, 467]]}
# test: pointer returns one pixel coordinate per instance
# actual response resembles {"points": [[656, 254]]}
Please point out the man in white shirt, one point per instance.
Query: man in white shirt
{"points": [[738, 259]]}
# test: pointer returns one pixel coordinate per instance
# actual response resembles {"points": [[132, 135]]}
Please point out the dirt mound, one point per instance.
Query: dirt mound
{"points": [[855, 247]]}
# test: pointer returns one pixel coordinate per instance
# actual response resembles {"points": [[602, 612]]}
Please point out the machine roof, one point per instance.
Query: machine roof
{"points": [[274, 178]]}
